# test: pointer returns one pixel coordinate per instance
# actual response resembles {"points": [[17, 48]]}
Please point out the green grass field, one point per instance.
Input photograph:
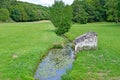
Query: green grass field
{"points": [[22, 45], [102, 64]]}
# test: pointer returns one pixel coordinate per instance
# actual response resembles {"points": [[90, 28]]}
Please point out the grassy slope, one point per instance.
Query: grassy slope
{"points": [[22, 45], [102, 64]]}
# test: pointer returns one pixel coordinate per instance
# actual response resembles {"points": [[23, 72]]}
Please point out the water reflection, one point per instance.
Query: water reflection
{"points": [[55, 64]]}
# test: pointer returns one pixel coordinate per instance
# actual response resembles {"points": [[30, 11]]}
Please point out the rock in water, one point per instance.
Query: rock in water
{"points": [[86, 41]]}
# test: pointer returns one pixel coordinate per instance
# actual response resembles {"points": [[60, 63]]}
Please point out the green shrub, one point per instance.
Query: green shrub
{"points": [[17, 13], [61, 17], [32, 14], [57, 46], [4, 14], [79, 13]]}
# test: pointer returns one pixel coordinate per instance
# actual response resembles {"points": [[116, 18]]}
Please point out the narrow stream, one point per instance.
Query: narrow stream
{"points": [[55, 64]]}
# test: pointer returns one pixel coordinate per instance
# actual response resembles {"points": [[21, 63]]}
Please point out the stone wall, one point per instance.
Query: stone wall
{"points": [[86, 41]]}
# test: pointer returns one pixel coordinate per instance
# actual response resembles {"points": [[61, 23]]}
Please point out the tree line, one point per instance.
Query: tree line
{"points": [[96, 11], [22, 11], [83, 11]]}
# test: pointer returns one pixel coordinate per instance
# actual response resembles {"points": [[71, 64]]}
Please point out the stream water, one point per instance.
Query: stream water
{"points": [[55, 64]]}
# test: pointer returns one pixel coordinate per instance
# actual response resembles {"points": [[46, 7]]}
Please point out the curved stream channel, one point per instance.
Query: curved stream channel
{"points": [[55, 64]]}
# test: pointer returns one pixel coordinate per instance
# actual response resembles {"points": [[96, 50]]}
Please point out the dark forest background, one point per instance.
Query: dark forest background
{"points": [[84, 11]]}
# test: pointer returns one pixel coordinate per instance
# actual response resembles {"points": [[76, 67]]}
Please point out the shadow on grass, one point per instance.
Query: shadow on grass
{"points": [[49, 31]]}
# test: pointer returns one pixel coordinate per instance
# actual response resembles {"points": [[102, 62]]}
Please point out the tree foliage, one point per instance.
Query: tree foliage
{"points": [[79, 14], [113, 10], [4, 14], [18, 13], [23, 11], [83, 11], [96, 10], [61, 17]]}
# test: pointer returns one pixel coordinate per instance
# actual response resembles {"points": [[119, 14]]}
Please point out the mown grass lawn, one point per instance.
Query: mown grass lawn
{"points": [[102, 64], [22, 45]]}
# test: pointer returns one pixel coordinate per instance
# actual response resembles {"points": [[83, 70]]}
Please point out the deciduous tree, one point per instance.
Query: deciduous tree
{"points": [[61, 17]]}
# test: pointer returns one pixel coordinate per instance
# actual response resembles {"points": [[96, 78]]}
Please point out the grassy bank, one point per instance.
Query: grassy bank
{"points": [[22, 45], [102, 64]]}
